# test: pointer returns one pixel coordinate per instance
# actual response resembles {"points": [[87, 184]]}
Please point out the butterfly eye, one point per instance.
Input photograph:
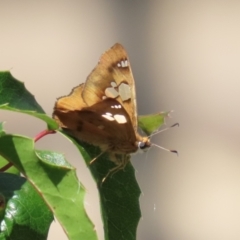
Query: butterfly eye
{"points": [[142, 145]]}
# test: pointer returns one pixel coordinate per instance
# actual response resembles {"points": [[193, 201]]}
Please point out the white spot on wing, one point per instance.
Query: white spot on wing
{"points": [[111, 92], [120, 118], [110, 118], [113, 84], [124, 91], [116, 106], [123, 63]]}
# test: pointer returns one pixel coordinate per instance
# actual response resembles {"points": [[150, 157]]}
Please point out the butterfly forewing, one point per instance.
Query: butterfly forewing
{"points": [[112, 78], [71, 102]]}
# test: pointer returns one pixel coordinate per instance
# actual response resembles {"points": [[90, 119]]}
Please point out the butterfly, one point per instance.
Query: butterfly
{"points": [[102, 111]]}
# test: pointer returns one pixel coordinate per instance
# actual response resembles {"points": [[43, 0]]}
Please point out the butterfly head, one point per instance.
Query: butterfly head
{"points": [[144, 144]]}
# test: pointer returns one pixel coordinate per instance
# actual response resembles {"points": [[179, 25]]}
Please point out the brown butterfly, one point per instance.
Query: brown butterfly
{"points": [[102, 111]]}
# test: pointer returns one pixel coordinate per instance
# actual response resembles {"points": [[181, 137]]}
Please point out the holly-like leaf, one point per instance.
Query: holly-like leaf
{"points": [[119, 194], [15, 97], [24, 214], [150, 123], [55, 180], [14, 93]]}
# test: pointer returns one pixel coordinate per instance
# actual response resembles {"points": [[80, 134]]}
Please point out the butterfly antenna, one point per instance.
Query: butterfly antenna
{"points": [[166, 149], [162, 130]]}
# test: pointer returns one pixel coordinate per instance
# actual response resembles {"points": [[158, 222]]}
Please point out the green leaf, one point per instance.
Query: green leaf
{"points": [[150, 123], [12, 169], [15, 97], [3, 161], [2, 132], [56, 182], [24, 214], [14, 93], [119, 194]]}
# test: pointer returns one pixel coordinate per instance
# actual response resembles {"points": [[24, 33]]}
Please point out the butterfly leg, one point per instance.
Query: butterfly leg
{"points": [[94, 159], [121, 161]]}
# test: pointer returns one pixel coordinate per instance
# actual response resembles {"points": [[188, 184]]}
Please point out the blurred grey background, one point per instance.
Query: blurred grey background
{"points": [[185, 57]]}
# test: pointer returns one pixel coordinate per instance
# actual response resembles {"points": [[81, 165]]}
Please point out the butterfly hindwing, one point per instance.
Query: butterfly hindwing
{"points": [[106, 124]]}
